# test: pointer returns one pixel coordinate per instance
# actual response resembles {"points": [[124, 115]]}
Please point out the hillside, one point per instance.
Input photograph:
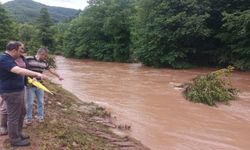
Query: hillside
{"points": [[28, 11]]}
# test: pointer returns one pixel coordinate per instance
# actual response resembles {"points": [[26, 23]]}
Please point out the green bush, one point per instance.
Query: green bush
{"points": [[211, 88], [51, 61]]}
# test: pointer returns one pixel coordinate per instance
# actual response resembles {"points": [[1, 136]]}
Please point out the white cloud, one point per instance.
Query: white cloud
{"points": [[3, 1]]}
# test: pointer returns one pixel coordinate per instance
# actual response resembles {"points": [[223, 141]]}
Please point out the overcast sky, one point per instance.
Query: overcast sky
{"points": [[76, 4]]}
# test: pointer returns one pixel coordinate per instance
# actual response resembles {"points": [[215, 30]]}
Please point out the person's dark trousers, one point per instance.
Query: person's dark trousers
{"points": [[16, 113]]}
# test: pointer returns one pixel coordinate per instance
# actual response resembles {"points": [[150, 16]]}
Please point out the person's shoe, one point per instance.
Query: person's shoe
{"points": [[3, 124], [28, 122], [23, 136], [3, 131], [40, 120], [19, 143]]}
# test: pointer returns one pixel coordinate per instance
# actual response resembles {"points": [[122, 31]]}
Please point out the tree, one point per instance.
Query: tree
{"points": [[163, 33], [6, 28], [45, 33], [236, 36], [117, 26], [102, 31], [29, 35], [169, 31], [60, 30]]}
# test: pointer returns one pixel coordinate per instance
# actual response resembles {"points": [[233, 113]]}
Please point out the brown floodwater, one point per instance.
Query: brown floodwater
{"points": [[148, 100]]}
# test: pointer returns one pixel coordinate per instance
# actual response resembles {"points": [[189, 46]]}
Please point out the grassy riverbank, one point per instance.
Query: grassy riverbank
{"points": [[72, 124]]}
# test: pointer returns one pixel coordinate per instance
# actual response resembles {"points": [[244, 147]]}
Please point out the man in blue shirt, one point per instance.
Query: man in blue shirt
{"points": [[21, 62], [12, 91]]}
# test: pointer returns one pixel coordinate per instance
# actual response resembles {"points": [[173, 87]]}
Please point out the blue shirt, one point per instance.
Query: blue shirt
{"points": [[9, 82]]}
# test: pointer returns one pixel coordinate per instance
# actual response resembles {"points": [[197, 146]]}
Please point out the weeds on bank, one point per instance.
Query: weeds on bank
{"points": [[211, 88], [66, 128], [71, 124]]}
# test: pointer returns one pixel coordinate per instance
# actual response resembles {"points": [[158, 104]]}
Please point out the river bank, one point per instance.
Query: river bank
{"points": [[73, 124]]}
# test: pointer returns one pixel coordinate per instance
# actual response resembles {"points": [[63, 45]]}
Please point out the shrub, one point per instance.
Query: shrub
{"points": [[211, 88], [51, 61]]}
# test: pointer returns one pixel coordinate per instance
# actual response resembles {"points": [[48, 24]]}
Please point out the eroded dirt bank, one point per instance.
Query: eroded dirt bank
{"points": [[72, 124]]}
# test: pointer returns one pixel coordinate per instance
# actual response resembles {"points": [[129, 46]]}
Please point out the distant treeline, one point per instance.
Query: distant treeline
{"points": [[158, 33]]}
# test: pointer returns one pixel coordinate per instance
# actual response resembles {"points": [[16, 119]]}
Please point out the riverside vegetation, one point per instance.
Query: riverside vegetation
{"points": [[176, 33]]}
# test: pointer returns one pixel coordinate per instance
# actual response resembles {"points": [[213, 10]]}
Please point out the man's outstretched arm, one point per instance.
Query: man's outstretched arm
{"points": [[26, 72]]}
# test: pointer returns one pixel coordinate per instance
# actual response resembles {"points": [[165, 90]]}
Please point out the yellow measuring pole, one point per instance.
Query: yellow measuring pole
{"points": [[38, 85]]}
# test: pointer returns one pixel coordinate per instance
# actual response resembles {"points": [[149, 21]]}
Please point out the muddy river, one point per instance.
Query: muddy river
{"points": [[148, 100]]}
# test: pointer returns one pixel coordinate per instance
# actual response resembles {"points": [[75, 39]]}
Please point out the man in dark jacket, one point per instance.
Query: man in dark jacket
{"points": [[12, 91], [21, 62]]}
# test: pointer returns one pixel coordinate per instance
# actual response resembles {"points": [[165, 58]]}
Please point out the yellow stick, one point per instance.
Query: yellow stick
{"points": [[38, 85]]}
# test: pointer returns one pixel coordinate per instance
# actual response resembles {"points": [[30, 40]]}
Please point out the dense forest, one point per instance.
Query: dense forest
{"points": [[158, 33]]}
